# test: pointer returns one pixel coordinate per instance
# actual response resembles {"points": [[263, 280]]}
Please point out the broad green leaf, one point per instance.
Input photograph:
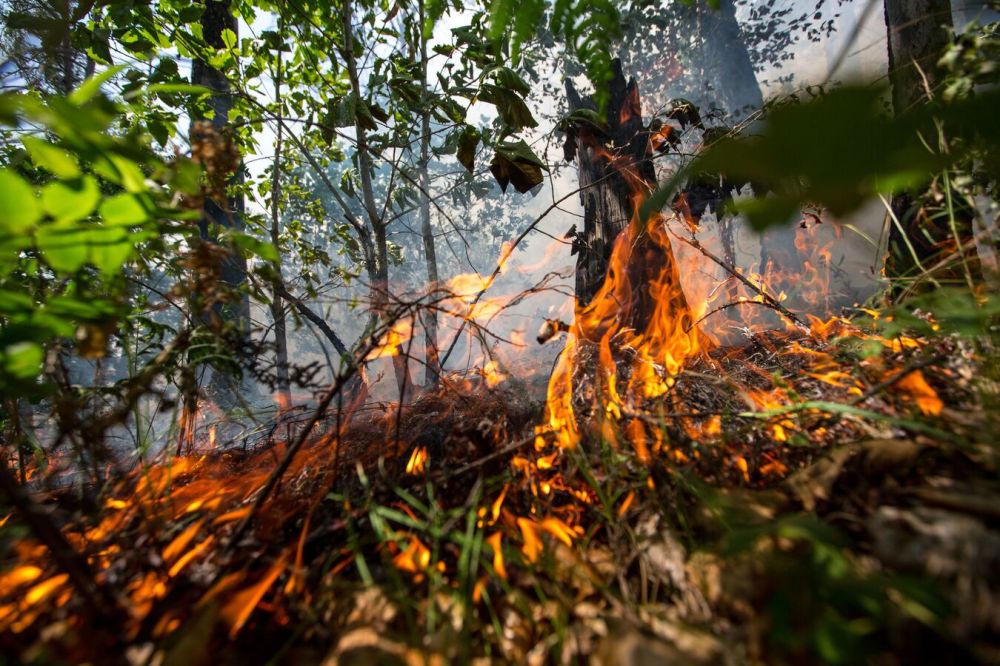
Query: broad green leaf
{"points": [[254, 246], [123, 209], [18, 204], [168, 89], [229, 38], [15, 302], [89, 88], [71, 200], [468, 141], [121, 171], [50, 157], [516, 164], [109, 248], [512, 109], [64, 249], [186, 175]]}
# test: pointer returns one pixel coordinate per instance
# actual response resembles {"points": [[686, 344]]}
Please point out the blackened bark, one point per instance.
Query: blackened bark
{"points": [[616, 173], [607, 206]]}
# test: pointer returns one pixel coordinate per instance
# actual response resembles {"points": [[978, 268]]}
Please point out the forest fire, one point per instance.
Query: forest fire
{"points": [[714, 454], [626, 350]]}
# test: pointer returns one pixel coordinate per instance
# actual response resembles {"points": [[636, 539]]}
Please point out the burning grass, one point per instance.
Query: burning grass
{"points": [[674, 495], [459, 526]]}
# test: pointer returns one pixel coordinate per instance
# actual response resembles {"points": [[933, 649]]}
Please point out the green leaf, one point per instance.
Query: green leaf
{"points": [[763, 212], [254, 246], [186, 176], [169, 89], [109, 248], [508, 78], [92, 86], [71, 200], [23, 360], [123, 209], [836, 151], [18, 203], [121, 171], [468, 141], [516, 164], [229, 38], [50, 157], [65, 250], [512, 109]]}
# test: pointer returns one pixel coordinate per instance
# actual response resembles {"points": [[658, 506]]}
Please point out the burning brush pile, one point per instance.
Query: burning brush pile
{"points": [[818, 493]]}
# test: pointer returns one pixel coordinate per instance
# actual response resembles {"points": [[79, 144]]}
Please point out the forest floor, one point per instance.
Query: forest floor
{"points": [[453, 531]]}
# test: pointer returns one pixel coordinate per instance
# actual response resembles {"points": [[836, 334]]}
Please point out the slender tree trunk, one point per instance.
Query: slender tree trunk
{"points": [[380, 280], [433, 359], [719, 59], [727, 61], [277, 304], [229, 212]]}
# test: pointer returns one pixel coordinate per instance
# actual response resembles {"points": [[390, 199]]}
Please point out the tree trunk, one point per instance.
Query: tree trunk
{"points": [[380, 279], [277, 305], [605, 195], [726, 61], [609, 204], [916, 35], [215, 19], [433, 359]]}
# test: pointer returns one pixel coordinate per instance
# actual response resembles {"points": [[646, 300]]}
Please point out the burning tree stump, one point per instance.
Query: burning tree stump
{"points": [[615, 174], [604, 191], [633, 328]]}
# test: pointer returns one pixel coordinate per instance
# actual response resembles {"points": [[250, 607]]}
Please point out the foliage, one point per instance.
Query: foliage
{"points": [[859, 152], [82, 201], [589, 29]]}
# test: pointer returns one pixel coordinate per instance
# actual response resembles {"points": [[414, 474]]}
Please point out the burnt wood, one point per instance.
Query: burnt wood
{"points": [[603, 191]]}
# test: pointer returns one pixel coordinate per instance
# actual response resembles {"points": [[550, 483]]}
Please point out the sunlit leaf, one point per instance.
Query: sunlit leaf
{"points": [[92, 86], [64, 249], [18, 202], [23, 360], [71, 200], [50, 157], [123, 209]]}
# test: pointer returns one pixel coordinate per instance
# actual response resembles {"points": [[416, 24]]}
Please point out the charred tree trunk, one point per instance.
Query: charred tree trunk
{"points": [[615, 174], [607, 205]]}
